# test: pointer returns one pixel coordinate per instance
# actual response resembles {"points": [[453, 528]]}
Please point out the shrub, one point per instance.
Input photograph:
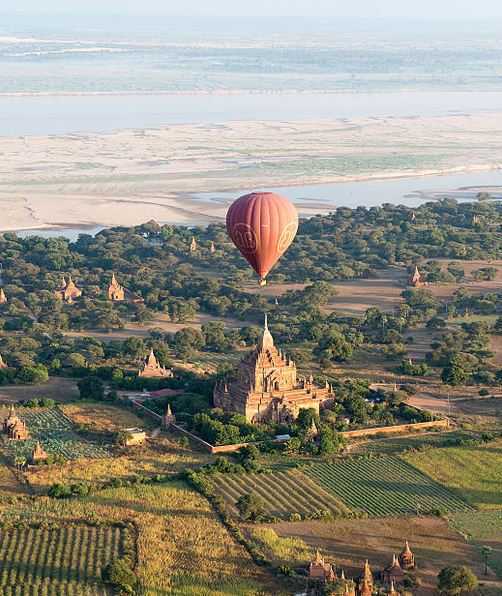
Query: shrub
{"points": [[119, 574], [251, 507]]}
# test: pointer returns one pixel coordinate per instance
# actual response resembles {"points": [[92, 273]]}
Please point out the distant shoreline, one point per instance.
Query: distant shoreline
{"points": [[188, 174]]}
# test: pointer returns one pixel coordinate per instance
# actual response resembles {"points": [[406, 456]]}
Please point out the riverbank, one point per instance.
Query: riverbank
{"points": [[188, 174]]}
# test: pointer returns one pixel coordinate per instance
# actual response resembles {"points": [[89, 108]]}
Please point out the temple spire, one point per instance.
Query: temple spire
{"points": [[267, 341]]}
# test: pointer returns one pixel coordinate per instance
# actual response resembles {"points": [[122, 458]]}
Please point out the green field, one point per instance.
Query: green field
{"points": [[483, 528], [283, 492], [55, 432], [64, 560], [475, 472], [384, 486]]}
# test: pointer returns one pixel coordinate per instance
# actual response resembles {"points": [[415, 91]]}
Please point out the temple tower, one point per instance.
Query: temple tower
{"points": [[116, 292], [416, 279], [266, 387], [366, 582], [152, 369]]}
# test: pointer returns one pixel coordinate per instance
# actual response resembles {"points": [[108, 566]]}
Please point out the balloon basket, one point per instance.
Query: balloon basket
{"points": [[262, 283]]}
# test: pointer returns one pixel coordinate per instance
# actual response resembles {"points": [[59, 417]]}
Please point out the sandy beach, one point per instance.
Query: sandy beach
{"points": [[131, 176]]}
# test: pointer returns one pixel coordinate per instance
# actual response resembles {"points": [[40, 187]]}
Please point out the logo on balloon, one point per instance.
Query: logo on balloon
{"points": [[244, 237], [287, 236]]}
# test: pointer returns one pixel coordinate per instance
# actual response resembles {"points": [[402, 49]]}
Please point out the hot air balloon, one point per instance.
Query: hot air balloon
{"points": [[262, 225]]}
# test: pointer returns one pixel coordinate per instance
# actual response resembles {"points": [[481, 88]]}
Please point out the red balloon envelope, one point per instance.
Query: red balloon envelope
{"points": [[262, 225]]}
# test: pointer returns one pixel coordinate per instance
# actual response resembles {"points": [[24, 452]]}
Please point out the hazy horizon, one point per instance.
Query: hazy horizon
{"points": [[426, 10]]}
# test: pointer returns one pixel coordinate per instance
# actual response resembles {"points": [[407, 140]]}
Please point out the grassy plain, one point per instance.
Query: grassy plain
{"points": [[398, 444], [164, 456], [483, 528], [474, 472], [102, 417]]}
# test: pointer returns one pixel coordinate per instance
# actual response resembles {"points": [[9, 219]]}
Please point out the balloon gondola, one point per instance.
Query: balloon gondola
{"points": [[262, 225]]}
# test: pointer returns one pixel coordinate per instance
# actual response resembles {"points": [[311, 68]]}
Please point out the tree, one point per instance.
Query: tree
{"points": [[453, 581], [33, 374], [454, 374], [120, 575], [251, 507], [91, 388]]}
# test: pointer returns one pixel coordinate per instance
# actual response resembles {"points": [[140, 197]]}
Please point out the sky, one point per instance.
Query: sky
{"points": [[426, 9]]}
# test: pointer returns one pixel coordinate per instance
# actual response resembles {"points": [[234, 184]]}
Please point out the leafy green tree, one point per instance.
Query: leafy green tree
{"points": [[120, 575], [33, 375], [454, 581], [91, 388], [251, 507]]}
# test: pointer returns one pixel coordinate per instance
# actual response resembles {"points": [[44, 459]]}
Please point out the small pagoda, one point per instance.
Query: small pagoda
{"points": [[14, 427], [152, 369], [3, 297], [116, 292], [193, 245], [68, 292], [394, 572], [320, 570], [415, 280], [2, 363], [407, 558], [168, 418], [366, 583], [38, 454]]}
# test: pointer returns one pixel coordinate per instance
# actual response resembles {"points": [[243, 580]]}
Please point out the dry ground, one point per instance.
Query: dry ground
{"points": [[57, 388], [101, 417], [161, 322], [353, 297], [463, 402], [348, 543], [472, 286], [356, 296]]}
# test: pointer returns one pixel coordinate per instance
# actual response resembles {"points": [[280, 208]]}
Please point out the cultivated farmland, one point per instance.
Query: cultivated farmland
{"points": [[283, 492], [53, 561], [384, 486], [182, 548], [55, 431]]}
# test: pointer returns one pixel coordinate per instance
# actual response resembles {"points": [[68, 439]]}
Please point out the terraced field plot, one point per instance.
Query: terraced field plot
{"points": [[384, 486], [60, 561], [55, 432], [283, 492]]}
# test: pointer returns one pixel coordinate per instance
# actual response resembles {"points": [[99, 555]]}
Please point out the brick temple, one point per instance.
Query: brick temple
{"points": [[266, 386]]}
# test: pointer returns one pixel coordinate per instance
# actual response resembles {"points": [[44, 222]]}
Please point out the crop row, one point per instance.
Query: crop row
{"points": [[31, 556], [384, 486], [51, 588], [283, 492], [55, 432]]}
